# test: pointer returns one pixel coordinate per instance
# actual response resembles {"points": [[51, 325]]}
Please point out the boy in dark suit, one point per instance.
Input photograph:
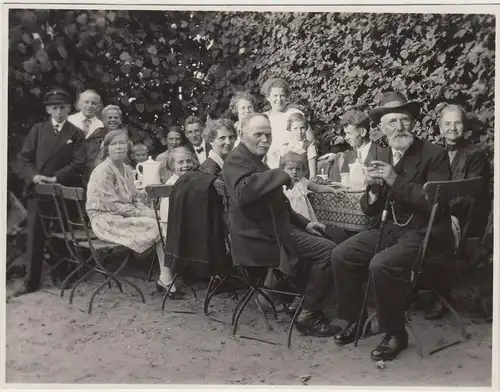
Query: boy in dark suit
{"points": [[53, 152]]}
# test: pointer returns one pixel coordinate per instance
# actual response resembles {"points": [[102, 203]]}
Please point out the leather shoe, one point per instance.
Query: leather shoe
{"points": [[315, 324], [437, 311], [390, 347], [348, 334]]}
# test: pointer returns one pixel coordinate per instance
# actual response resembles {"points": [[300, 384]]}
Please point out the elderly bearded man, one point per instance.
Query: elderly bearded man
{"points": [[266, 232], [397, 179]]}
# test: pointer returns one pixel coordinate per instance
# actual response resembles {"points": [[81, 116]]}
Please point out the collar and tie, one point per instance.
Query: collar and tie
{"points": [[199, 150], [396, 157], [57, 128], [86, 125]]}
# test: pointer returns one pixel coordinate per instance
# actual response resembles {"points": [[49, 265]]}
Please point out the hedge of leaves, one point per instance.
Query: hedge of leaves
{"points": [[161, 66], [335, 62]]}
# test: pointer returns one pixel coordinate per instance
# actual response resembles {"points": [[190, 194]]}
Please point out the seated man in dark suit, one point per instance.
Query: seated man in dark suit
{"points": [[221, 135], [395, 180], [266, 232], [53, 152]]}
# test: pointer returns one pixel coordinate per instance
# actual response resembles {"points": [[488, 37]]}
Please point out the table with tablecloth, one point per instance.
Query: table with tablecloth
{"points": [[340, 209]]}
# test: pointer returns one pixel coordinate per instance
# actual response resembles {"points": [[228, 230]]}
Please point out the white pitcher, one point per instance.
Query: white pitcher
{"points": [[357, 175], [148, 172]]}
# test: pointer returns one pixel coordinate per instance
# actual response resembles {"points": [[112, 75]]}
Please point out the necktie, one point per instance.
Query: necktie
{"points": [[86, 125], [199, 150], [56, 129], [396, 157]]}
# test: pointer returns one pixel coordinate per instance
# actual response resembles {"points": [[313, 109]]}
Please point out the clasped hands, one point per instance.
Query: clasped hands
{"points": [[378, 173], [39, 179]]}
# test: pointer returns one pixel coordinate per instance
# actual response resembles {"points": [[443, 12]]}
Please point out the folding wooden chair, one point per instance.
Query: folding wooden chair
{"points": [[99, 250], [440, 193]]}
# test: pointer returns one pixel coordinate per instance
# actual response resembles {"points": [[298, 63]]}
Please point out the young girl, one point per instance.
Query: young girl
{"points": [[180, 161], [294, 165], [277, 92], [298, 143]]}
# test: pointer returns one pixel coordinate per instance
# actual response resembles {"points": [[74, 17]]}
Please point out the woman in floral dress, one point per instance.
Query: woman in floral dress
{"points": [[115, 211]]}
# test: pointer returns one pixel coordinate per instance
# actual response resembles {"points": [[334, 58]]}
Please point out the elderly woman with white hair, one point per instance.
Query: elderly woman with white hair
{"points": [[115, 211]]}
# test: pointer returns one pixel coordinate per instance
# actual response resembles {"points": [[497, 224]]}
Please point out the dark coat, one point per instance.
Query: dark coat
{"points": [[422, 162], [195, 230], [45, 153], [260, 216], [48, 154], [211, 167], [470, 162], [92, 151]]}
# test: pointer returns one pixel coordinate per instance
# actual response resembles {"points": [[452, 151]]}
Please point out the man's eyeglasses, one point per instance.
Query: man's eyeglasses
{"points": [[405, 122]]}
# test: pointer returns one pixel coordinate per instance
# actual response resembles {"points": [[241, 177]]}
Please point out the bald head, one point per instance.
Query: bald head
{"points": [[256, 133]]}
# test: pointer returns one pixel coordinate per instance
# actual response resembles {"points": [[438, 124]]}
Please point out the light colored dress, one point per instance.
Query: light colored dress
{"points": [[299, 200], [115, 212], [280, 134], [164, 205]]}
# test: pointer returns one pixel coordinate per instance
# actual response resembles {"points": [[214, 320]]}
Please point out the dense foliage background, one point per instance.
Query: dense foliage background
{"points": [[161, 66]]}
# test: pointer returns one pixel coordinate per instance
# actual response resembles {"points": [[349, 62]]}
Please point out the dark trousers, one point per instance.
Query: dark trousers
{"points": [[36, 242], [390, 271], [314, 264]]}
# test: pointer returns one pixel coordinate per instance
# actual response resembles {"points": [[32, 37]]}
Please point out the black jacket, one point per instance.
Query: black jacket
{"points": [[195, 230]]}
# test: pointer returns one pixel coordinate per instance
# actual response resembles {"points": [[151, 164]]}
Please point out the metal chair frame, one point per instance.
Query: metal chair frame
{"points": [[439, 192], [48, 222], [258, 287], [96, 247]]}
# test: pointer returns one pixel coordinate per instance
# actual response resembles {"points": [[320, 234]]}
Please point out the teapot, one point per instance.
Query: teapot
{"points": [[357, 175], [148, 172]]}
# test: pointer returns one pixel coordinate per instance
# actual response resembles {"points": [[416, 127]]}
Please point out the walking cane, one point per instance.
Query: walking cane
{"points": [[383, 219]]}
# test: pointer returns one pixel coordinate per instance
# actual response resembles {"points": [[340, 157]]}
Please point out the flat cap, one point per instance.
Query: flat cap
{"points": [[55, 96]]}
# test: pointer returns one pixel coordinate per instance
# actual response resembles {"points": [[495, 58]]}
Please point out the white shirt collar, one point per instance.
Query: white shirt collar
{"points": [[60, 124], [202, 156], [363, 151], [216, 157]]}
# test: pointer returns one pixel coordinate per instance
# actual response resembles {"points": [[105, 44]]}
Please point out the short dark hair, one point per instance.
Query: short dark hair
{"points": [[212, 126], [275, 82], [238, 97], [192, 120], [355, 118]]}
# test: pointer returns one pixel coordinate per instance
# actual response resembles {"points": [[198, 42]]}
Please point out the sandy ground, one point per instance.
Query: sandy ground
{"points": [[126, 341]]}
